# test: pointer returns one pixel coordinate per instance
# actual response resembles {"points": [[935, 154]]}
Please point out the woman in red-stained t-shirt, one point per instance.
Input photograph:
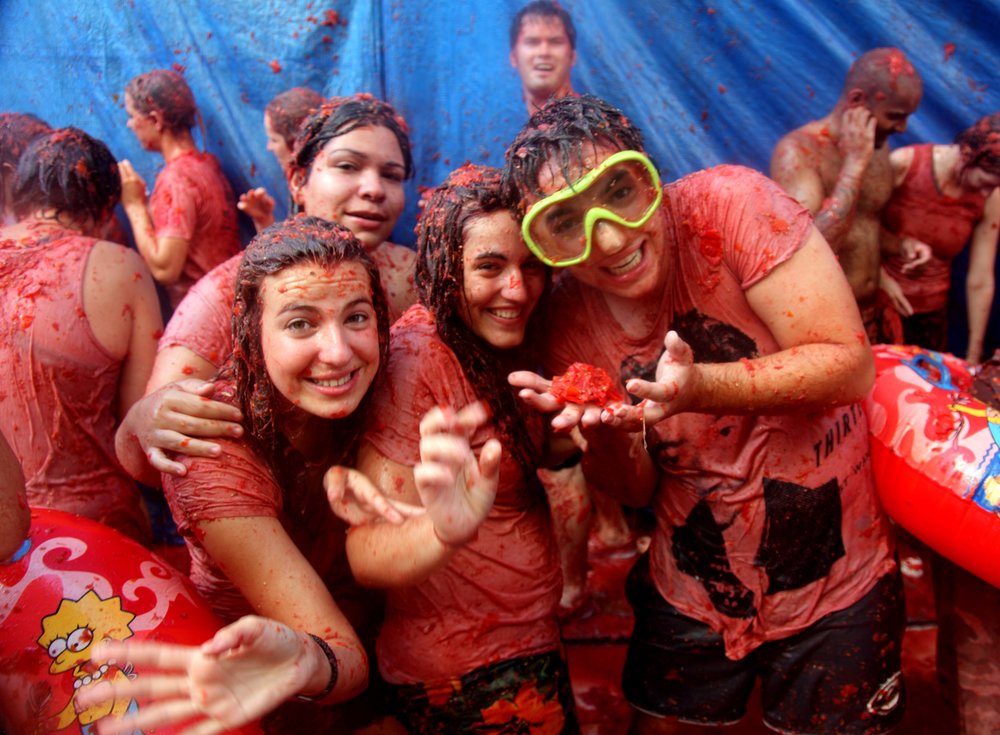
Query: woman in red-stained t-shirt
{"points": [[311, 337], [945, 196], [189, 226], [79, 320], [310, 334], [470, 641]]}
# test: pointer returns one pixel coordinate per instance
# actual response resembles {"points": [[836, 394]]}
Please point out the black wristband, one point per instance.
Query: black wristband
{"points": [[328, 652], [571, 461]]}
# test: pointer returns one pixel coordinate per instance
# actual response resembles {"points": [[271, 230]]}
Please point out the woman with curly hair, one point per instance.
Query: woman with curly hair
{"points": [[471, 640]]}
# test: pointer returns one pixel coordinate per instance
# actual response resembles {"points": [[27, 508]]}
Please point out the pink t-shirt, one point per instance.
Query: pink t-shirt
{"points": [[764, 523], [497, 597], [60, 389], [238, 484], [919, 210], [192, 200], [202, 322]]}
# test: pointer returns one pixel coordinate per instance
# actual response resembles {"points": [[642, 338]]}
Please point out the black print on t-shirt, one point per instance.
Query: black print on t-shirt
{"points": [[712, 340], [802, 533], [700, 551]]}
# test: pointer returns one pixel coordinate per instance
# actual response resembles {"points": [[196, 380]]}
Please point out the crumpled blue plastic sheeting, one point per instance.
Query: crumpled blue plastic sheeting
{"points": [[708, 82]]}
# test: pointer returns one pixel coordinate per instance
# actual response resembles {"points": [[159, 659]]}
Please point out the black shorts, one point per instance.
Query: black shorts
{"points": [[529, 694], [840, 675]]}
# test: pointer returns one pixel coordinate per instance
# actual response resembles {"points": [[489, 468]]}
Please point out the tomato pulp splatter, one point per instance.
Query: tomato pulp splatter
{"points": [[582, 383]]}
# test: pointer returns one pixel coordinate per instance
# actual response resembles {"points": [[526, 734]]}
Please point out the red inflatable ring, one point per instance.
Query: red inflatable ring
{"points": [[936, 455], [72, 584]]}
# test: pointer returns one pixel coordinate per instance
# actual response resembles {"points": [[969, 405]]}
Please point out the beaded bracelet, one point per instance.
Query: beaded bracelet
{"points": [[333, 671]]}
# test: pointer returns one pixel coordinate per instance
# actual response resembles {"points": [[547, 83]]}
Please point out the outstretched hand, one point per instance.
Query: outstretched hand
{"points": [[536, 392], [242, 673], [357, 500], [672, 391], [455, 487], [170, 418]]}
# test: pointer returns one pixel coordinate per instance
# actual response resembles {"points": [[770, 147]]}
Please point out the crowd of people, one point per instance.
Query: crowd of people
{"points": [[383, 494]]}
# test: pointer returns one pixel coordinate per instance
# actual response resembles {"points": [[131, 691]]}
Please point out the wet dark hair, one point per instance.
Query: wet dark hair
{"points": [[164, 91], [982, 140], [340, 116], [470, 192], [299, 239], [70, 172], [543, 9], [564, 131], [17, 130], [289, 109]]}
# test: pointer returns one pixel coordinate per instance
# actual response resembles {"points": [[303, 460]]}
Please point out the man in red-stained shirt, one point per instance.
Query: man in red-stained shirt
{"points": [[717, 301]]}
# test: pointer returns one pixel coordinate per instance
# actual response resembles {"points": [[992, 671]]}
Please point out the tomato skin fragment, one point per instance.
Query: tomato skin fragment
{"points": [[583, 383]]}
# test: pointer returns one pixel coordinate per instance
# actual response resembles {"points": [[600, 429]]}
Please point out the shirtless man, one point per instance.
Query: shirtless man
{"points": [[543, 50], [838, 167]]}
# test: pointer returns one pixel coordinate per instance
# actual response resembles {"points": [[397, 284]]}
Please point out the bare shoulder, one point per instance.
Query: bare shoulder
{"points": [[804, 141], [801, 149], [117, 265], [901, 159], [118, 275]]}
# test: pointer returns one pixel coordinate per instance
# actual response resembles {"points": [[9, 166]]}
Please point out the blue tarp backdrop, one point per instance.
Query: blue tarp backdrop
{"points": [[708, 82]]}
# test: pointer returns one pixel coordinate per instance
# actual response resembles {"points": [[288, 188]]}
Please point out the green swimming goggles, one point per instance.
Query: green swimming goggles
{"points": [[625, 189]]}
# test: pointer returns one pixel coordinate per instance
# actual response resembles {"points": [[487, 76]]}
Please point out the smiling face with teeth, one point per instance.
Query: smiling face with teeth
{"points": [[625, 263], [503, 280], [319, 336], [543, 56]]}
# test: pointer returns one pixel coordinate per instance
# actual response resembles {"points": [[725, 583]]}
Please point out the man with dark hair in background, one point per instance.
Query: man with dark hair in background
{"points": [[543, 50]]}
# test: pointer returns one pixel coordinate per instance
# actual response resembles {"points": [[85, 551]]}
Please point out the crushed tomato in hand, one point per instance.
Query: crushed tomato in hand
{"points": [[582, 383]]}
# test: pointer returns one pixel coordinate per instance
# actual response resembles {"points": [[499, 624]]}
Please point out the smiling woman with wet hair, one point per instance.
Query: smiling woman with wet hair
{"points": [[470, 642], [310, 334]]}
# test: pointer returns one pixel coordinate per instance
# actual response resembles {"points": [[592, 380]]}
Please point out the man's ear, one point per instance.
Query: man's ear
{"points": [[513, 59], [856, 97]]}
